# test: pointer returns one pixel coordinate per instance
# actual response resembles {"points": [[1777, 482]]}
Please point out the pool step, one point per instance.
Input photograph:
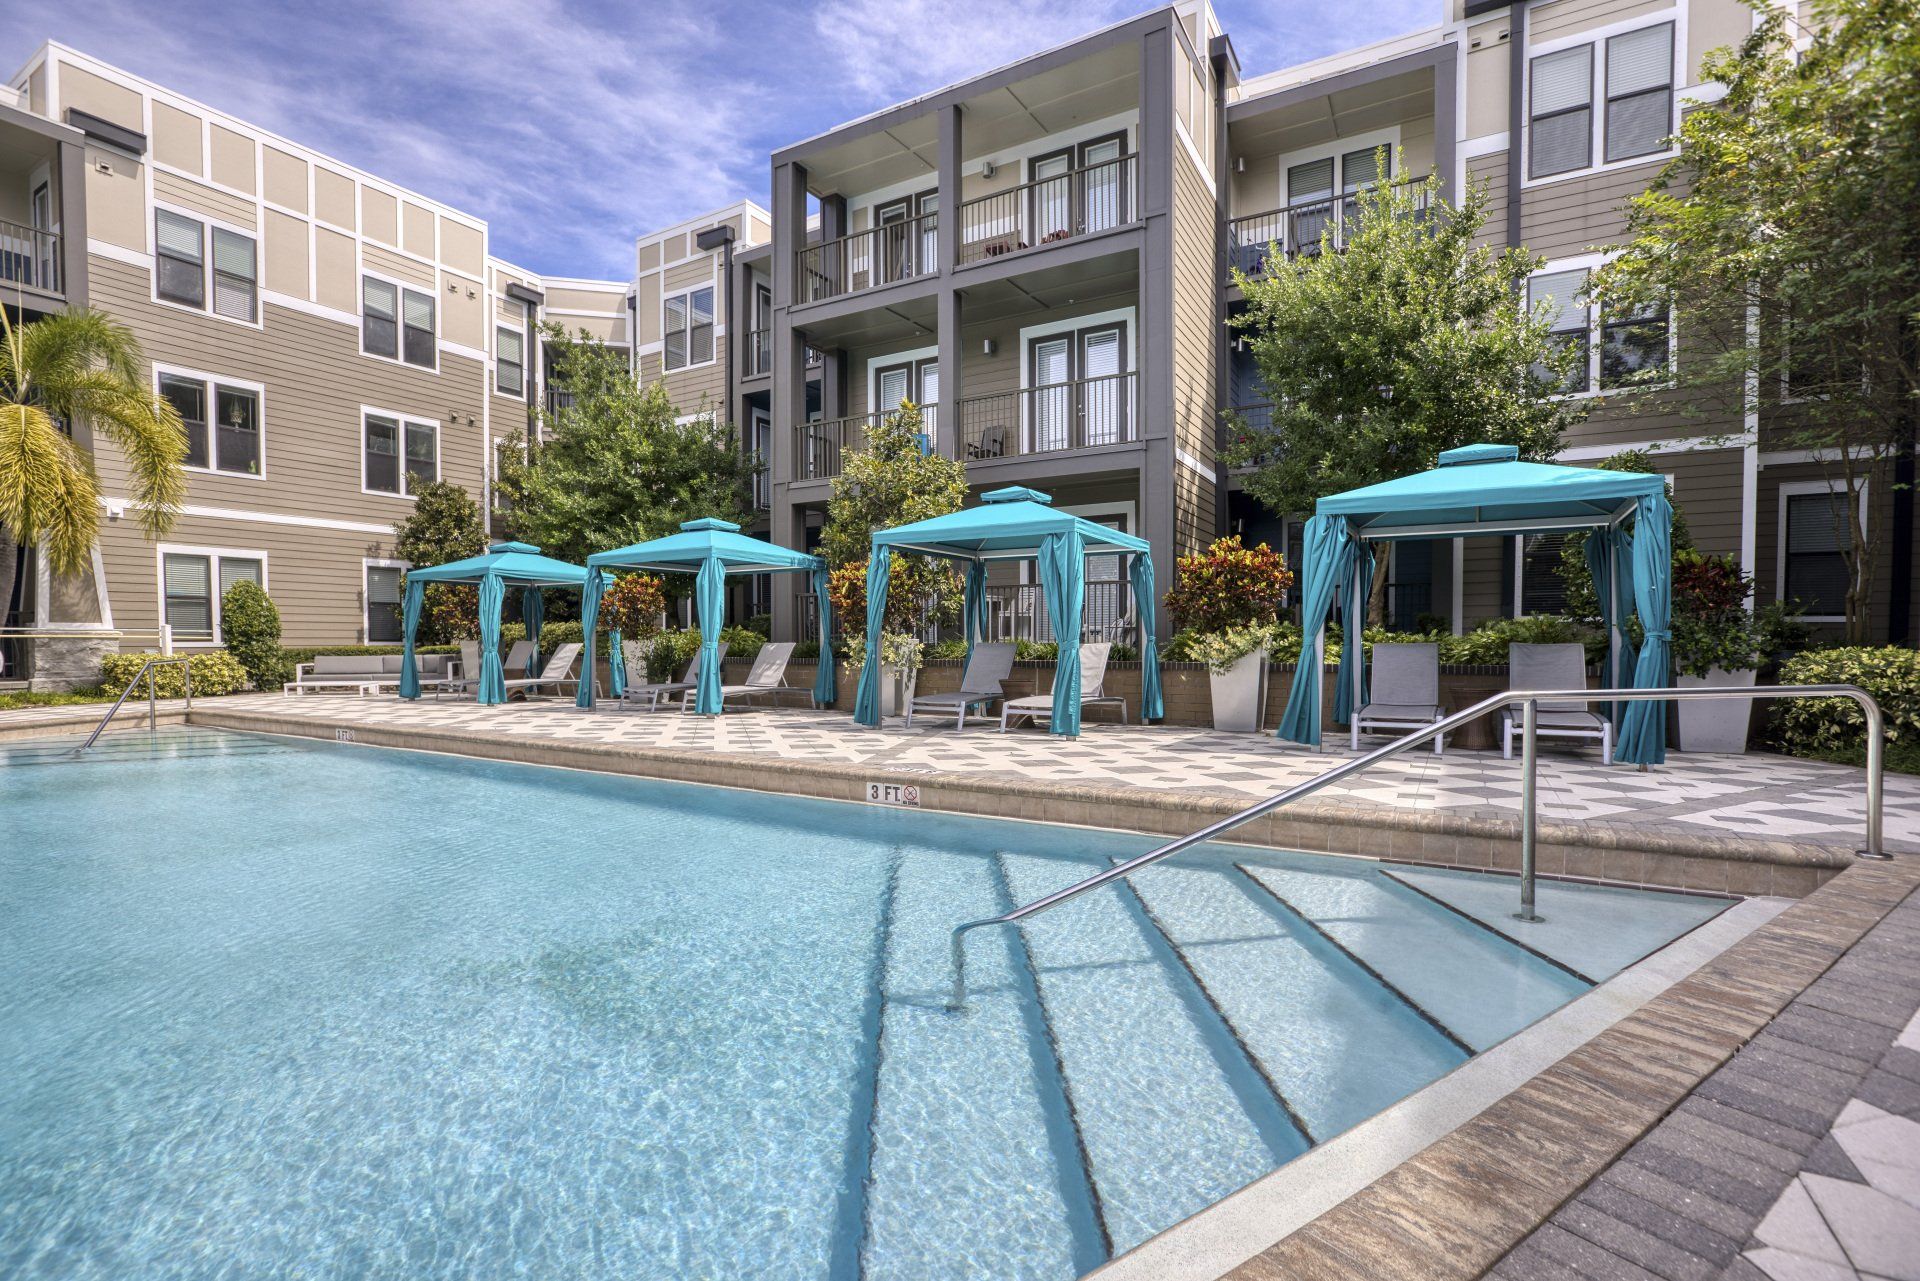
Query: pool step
{"points": [[1479, 986], [969, 1112], [1172, 1111], [1282, 987]]}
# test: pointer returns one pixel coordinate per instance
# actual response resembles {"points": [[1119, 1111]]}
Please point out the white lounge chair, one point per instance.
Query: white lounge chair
{"points": [[768, 675], [556, 673], [1406, 692], [1553, 667], [652, 693], [519, 654], [987, 666], [1093, 691]]}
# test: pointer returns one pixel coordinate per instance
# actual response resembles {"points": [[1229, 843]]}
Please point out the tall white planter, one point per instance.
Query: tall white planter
{"points": [[896, 689], [1713, 724], [1240, 694]]}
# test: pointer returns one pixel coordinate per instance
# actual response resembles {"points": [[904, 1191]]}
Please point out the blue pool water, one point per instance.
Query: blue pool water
{"points": [[276, 1008]]}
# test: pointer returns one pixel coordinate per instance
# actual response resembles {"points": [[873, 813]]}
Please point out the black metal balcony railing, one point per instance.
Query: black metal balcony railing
{"points": [[30, 257], [1240, 422], [882, 255], [1301, 228], [1076, 203], [818, 445], [1017, 612], [1057, 416], [759, 354]]}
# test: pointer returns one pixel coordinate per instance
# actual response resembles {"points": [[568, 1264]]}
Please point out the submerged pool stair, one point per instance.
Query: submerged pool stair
{"points": [[1156, 1045]]}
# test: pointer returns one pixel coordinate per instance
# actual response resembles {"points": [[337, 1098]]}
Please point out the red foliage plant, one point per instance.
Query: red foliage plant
{"points": [[1229, 585], [633, 605]]}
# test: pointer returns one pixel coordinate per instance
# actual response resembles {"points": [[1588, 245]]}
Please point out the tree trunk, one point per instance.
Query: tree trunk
{"points": [[1377, 599]]}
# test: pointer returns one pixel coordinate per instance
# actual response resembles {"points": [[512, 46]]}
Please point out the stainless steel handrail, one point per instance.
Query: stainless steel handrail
{"points": [[153, 701], [1530, 699]]}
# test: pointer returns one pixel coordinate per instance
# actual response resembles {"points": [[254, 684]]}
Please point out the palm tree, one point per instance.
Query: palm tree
{"points": [[81, 364]]}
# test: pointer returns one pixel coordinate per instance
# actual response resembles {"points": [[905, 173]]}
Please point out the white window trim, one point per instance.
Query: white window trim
{"points": [[876, 363], [405, 420], [499, 329], [259, 391], [1370, 141], [718, 332], [366, 597], [1598, 37], [207, 224], [1590, 263], [399, 320], [1788, 489], [214, 555]]}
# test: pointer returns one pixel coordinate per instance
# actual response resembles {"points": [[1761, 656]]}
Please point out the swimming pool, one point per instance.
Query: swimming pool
{"points": [[279, 1007]]}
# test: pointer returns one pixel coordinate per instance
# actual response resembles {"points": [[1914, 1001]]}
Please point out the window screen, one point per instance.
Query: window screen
{"points": [[1567, 317], [1561, 137], [383, 455], [676, 332], [181, 259], [379, 318], [423, 462], [700, 326], [418, 336], [510, 362], [383, 604], [234, 275], [1542, 590], [188, 584], [189, 399], [1639, 92], [1816, 568]]}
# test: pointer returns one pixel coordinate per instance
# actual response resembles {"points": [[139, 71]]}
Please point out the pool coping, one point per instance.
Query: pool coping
{"points": [[1619, 854]]}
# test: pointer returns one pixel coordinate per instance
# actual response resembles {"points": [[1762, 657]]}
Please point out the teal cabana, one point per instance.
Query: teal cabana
{"points": [[1485, 490], [710, 550], [502, 567], [1019, 524]]}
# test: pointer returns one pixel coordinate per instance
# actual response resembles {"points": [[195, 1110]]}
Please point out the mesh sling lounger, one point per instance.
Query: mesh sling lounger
{"points": [[1406, 692], [689, 681], [987, 666], [768, 675], [1553, 667], [1093, 690]]}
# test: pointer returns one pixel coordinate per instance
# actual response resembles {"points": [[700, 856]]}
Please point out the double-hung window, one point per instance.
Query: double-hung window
{"points": [[509, 362], [182, 267], [396, 323], [383, 604], [689, 328], [1560, 128], [1814, 565], [1639, 92], [416, 330], [229, 441], [1633, 346], [235, 276], [399, 453], [1570, 321], [193, 584]]}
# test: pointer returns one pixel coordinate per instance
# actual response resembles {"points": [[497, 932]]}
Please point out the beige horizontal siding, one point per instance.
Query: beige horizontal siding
{"points": [[171, 189]]}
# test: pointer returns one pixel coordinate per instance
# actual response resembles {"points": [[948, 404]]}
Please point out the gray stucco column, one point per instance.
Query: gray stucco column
{"points": [[788, 399], [950, 438]]}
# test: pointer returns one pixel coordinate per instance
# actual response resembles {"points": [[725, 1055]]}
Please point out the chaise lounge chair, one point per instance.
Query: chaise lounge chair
{"points": [[555, 673], [987, 666], [1553, 667], [1406, 692], [1093, 690], [651, 693], [768, 675]]}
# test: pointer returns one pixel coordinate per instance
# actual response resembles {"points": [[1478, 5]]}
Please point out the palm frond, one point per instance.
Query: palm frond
{"points": [[147, 430], [48, 492]]}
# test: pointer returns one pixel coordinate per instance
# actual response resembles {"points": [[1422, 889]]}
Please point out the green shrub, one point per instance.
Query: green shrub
{"points": [[214, 672], [250, 629], [742, 642], [1818, 726], [668, 654], [1486, 645], [807, 652]]}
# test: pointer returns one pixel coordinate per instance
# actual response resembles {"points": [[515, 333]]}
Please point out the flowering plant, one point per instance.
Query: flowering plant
{"points": [[1229, 585]]}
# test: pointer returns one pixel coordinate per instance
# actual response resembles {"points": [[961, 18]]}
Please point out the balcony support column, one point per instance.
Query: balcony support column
{"points": [[788, 400], [1156, 352], [73, 224], [949, 436]]}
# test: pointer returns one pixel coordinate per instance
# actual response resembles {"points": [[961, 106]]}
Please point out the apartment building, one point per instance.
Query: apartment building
{"points": [[330, 339]]}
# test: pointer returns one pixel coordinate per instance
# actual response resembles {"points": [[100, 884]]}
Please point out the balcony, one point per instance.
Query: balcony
{"points": [[1048, 210], [819, 445], [1300, 229], [869, 259], [758, 357], [1018, 612], [30, 258], [1053, 418]]}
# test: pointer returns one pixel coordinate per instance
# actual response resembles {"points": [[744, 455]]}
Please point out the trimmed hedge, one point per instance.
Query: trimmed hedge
{"points": [[250, 628], [214, 672], [1822, 726]]}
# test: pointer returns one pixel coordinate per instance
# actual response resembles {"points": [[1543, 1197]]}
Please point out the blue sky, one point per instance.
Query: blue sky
{"points": [[574, 127]]}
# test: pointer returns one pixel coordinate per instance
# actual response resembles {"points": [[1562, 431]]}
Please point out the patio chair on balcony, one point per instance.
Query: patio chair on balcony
{"points": [[1093, 689], [991, 443], [1553, 667], [987, 666], [1406, 692], [652, 693]]}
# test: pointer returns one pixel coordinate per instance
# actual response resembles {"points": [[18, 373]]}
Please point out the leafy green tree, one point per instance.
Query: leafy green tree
{"points": [[250, 629], [1582, 603], [444, 526], [1784, 236], [1408, 342], [892, 480], [617, 465]]}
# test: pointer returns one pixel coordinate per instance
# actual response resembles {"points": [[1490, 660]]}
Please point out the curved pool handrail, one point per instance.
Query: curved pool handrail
{"points": [[1506, 698]]}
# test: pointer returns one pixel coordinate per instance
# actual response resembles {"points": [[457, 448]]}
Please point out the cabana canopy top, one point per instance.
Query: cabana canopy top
{"points": [[1485, 489], [1009, 524], [501, 566], [700, 541], [516, 564]]}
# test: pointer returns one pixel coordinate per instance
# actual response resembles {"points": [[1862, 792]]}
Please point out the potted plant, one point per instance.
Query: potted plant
{"points": [[1719, 643], [900, 659], [1226, 605]]}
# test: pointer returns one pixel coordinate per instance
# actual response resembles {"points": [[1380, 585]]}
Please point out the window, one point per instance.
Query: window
{"points": [[510, 362], [396, 323], [1542, 590], [1813, 567], [181, 259], [230, 442], [383, 604], [1560, 136], [1633, 346], [1569, 320], [1639, 92], [399, 454], [689, 329], [193, 584], [235, 278]]}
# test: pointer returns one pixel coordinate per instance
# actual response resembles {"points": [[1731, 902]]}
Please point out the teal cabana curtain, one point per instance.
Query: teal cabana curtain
{"points": [[1643, 730], [1327, 548], [1609, 554], [866, 699], [710, 602], [532, 610], [1153, 705], [590, 615], [410, 622], [973, 616], [616, 664], [493, 681], [1358, 575], [1063, 577], [826, 683]]}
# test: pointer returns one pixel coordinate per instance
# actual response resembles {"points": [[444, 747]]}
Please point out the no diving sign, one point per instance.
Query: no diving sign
{"points": [[893, 794]]}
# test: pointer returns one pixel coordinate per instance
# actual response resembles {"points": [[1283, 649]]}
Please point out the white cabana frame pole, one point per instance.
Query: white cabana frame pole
{"points": [[1357, 623]]}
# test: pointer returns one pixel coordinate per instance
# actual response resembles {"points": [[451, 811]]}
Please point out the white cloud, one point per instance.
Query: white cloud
{"points": [[893, 49]]}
